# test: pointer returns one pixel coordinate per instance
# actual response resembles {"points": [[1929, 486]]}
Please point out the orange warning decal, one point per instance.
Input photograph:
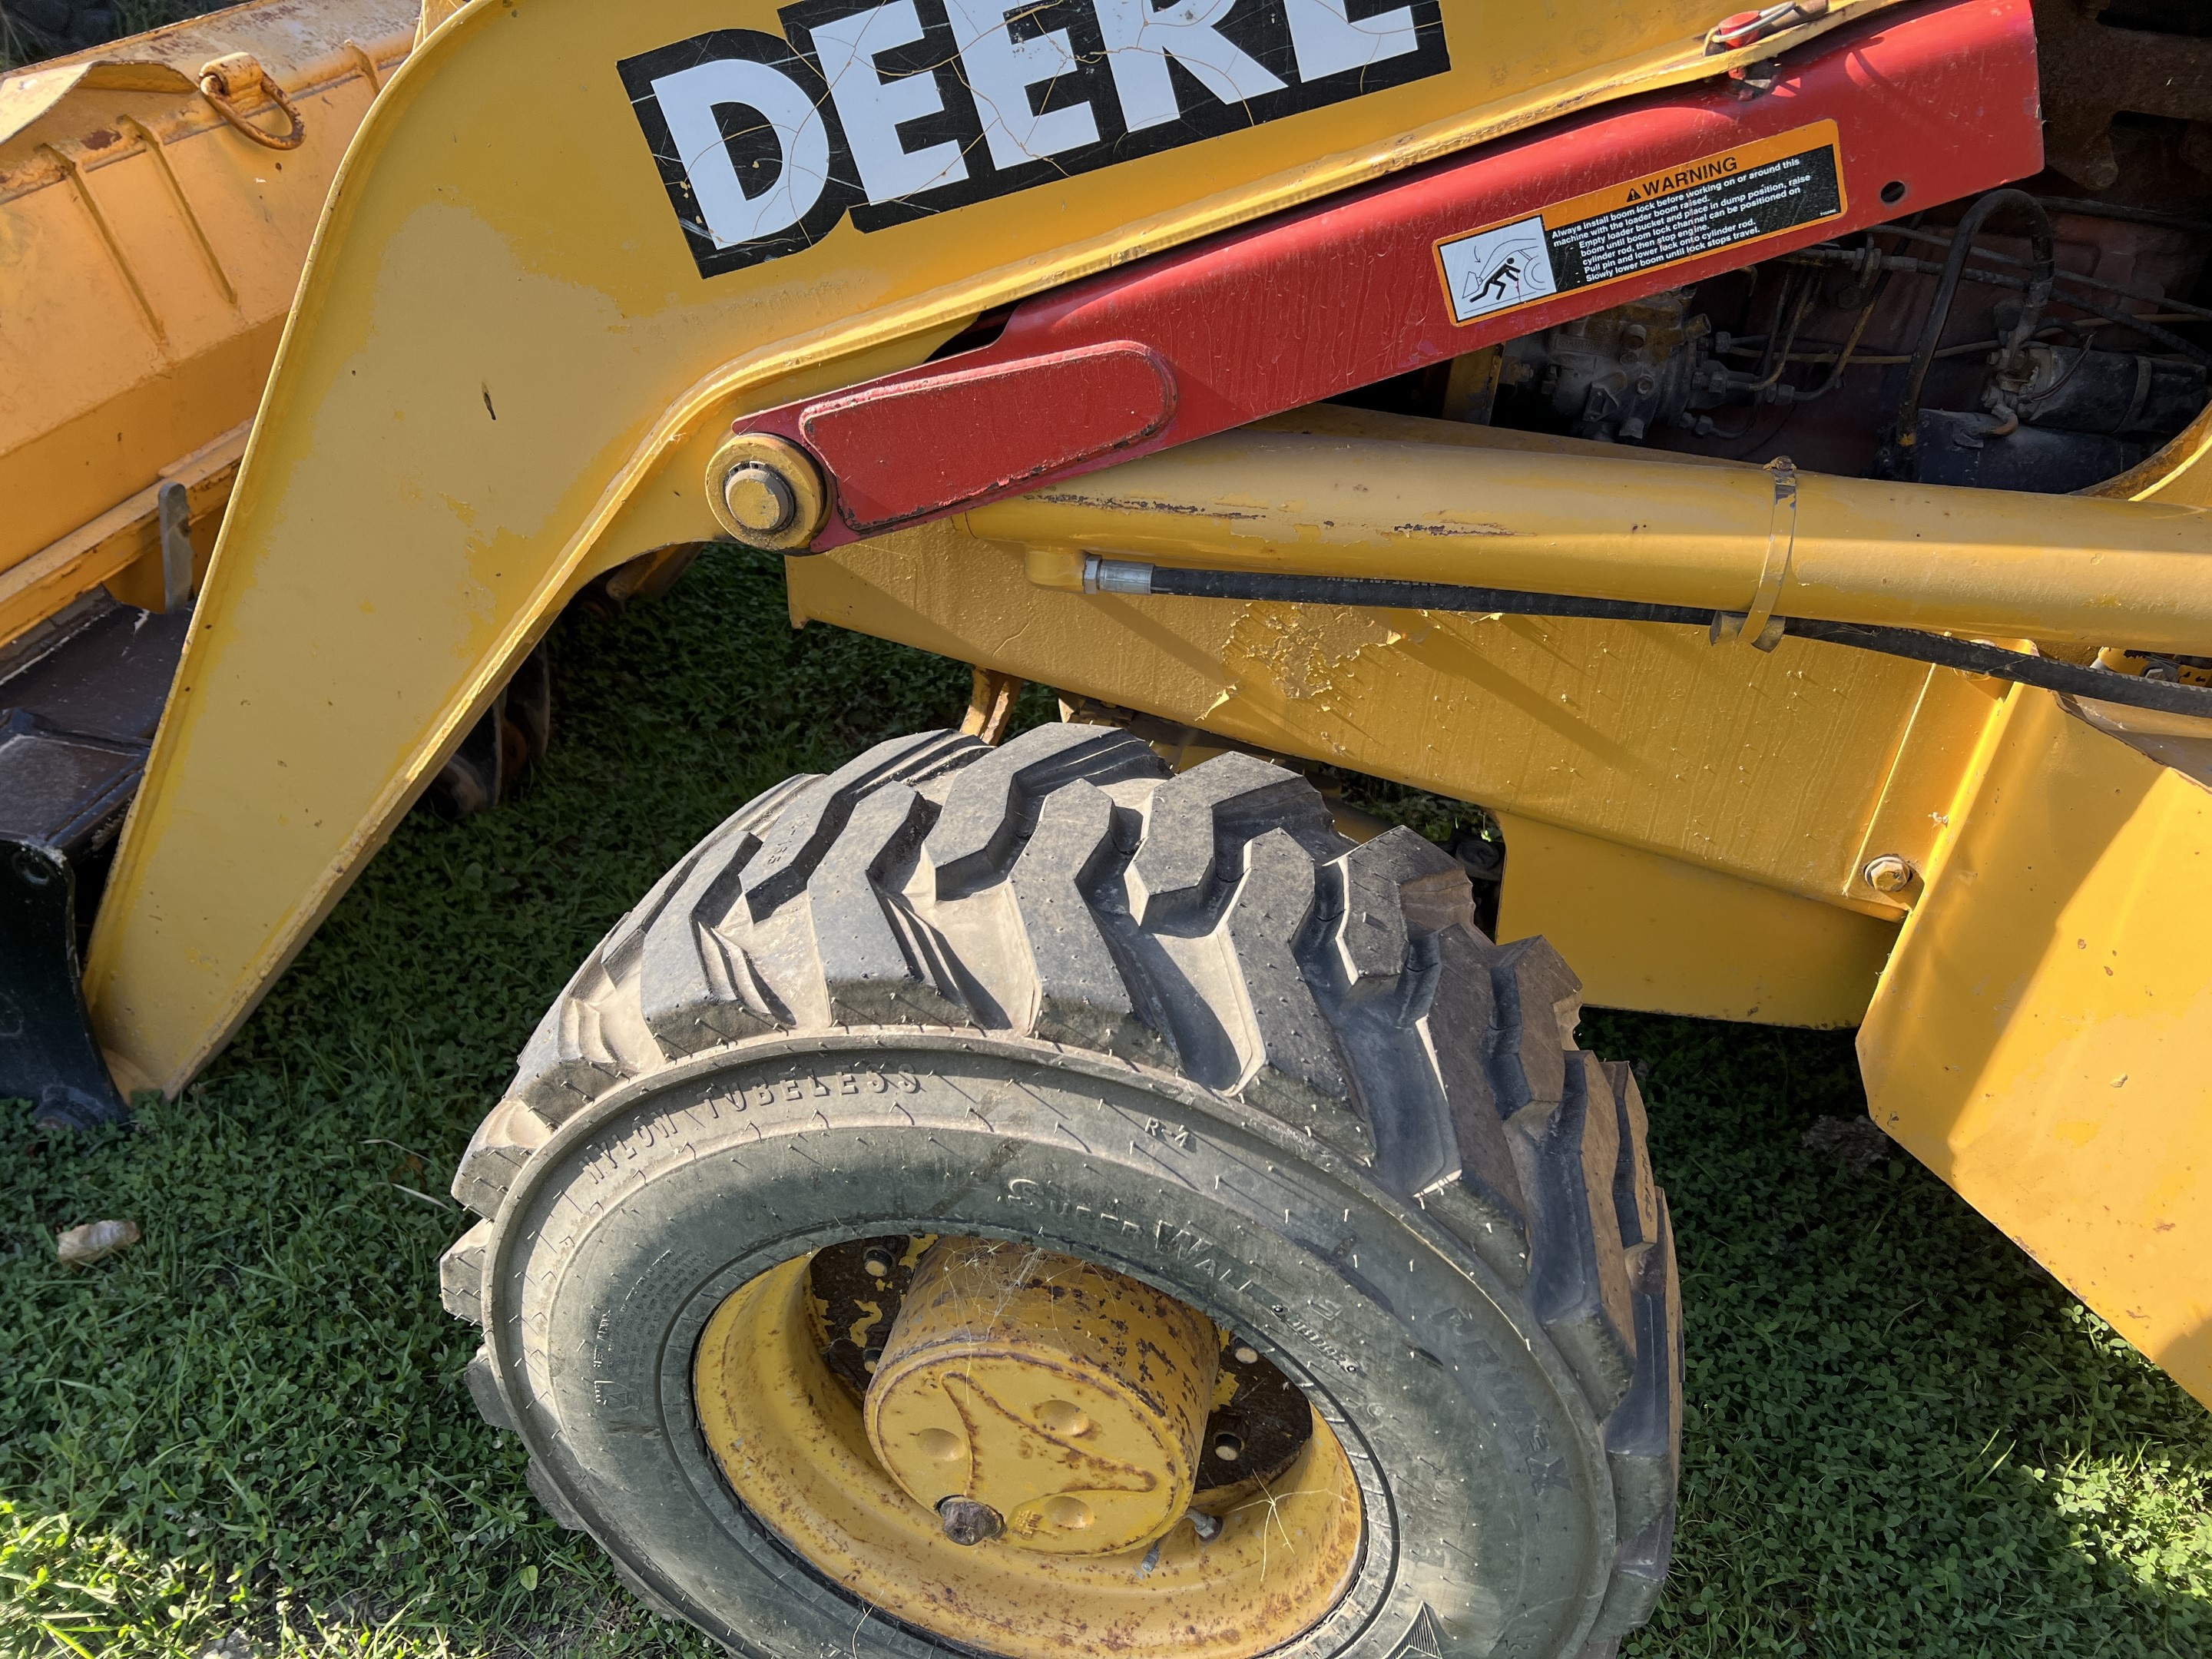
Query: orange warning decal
{"points": [[1730, 199]]}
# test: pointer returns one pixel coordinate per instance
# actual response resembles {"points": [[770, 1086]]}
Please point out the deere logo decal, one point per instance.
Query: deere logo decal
{"points": [[893, 110]]}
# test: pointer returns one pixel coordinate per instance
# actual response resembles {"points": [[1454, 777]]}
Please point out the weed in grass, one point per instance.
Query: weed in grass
{"points": [[249, 1437]]}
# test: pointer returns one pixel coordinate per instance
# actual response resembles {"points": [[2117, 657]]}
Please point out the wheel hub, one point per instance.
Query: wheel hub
{"points": [[1065, 1400], [824, 1384]]}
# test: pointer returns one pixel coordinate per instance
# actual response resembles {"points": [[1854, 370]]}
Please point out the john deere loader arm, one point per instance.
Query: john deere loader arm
{"points": [[572, 243]]}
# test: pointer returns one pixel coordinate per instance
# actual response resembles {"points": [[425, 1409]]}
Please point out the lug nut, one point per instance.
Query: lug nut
{"points": [[1888, 873], [1207, 1527], [759, 499], [967, 1521]]}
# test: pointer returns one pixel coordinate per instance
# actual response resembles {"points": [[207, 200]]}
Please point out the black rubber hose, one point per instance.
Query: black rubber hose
{"points": [[2110, 313], [1995, 661], [2044, 260], [1409, 596], [1969, 656]]}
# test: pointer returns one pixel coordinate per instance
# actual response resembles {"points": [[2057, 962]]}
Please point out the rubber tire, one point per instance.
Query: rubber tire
{"points": [[1174, 1023], [511, 736]]}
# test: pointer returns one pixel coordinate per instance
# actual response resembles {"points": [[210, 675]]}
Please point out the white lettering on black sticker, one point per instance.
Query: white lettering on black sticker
{"points": [[898, 110]]}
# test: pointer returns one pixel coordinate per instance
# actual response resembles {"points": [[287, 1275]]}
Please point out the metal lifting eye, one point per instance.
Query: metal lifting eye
{"points": [[226, 80]]}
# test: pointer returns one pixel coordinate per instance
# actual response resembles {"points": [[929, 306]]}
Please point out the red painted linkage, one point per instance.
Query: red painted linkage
{"points": [[1931, 103]]}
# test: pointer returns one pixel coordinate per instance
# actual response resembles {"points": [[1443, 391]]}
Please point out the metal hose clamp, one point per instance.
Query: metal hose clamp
{"points": [[1758, 625]]}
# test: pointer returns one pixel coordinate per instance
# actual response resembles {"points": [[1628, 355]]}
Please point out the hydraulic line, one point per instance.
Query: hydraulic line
{"points": [[2125, 290], [2044, 260], [1971, 656], [2110, 313], [1501, 511]]}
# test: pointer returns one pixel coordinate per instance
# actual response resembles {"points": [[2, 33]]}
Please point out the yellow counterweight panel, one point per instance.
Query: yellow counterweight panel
{"points": [[501, 371], [2042, 1038]]}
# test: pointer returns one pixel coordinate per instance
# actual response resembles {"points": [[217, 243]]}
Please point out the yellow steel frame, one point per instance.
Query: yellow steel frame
{"points": [[504, 375]]}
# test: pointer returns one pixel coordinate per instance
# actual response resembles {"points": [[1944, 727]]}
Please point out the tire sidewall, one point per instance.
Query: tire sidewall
{"points": [[1482, 1470]]}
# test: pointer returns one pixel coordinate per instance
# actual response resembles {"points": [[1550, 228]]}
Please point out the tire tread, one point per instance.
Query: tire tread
{"points": [[1067, 886]]}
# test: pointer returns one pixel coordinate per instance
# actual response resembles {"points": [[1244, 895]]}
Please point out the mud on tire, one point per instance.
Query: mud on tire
{"points": [[1174, 1023]]}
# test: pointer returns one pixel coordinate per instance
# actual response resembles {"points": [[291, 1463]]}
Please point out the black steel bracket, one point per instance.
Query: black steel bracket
{"points": [[47, 1054]]}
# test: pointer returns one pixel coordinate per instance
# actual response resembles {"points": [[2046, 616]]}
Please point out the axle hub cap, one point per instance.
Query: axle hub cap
{"points": [[1065, 1397]]}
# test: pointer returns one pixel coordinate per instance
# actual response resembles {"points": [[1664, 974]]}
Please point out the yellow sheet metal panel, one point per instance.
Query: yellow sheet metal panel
{"points": [[2042, 1038], [1767, 766], [148, 253], [1933, 752], [1790, 770], [1662, 936], [505, 336]]}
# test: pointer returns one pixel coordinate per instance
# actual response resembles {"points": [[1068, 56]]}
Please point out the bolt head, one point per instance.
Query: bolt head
{"points": [[759, 499], [1888, 873], [968, 1522]]}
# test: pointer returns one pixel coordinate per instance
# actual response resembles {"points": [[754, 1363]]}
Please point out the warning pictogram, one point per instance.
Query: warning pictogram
{"points": [[1494, 269]]}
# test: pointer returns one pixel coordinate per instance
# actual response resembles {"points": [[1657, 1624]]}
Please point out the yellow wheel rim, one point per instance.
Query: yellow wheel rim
{"points": [[792, 1439]]}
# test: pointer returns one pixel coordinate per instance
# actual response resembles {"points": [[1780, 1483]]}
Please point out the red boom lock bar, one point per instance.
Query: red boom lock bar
{"points": [[1927, 105]]}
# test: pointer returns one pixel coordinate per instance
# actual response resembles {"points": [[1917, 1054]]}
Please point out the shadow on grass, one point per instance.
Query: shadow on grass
{"points": [[251, 1429], [1903, 1436]]}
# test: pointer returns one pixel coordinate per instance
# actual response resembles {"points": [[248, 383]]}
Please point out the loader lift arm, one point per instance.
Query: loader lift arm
{"points": [[424, 468]]}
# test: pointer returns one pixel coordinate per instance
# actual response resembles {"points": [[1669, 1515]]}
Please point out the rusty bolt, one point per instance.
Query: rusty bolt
{"points": [[759, 499], [1889, 873], [967, 1521]]}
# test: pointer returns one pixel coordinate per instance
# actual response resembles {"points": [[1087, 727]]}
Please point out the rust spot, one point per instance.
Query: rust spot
{"points": [[1138, 504], [101, 137], [1449, 530]]}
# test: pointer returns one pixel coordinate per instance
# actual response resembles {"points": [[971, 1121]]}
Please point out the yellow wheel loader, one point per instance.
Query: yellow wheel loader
{"points": [[1081, 1192]]}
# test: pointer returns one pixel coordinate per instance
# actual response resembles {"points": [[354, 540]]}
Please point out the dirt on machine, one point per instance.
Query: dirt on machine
{"points": [[1082, 1188]]}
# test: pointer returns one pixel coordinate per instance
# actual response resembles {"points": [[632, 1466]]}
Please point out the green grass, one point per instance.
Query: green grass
{"points": [[249, 1434]]}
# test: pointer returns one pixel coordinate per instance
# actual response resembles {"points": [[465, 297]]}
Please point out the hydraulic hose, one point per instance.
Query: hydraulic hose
{"points": [[2044, 262], [1971, 656]]}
